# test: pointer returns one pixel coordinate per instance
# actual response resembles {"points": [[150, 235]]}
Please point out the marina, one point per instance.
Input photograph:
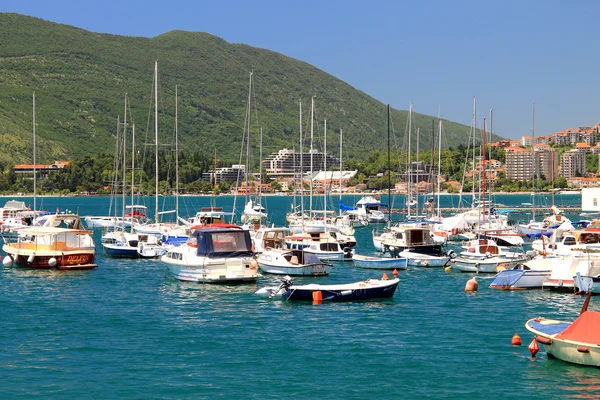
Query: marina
{"points": [[130, 329]]}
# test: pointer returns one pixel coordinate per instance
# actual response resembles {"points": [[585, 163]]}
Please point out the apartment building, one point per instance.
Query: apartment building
{"points": [[288, 162]]}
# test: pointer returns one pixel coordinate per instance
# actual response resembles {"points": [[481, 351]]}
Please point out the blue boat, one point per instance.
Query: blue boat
{"points": [[372, 262], [364, 290]]}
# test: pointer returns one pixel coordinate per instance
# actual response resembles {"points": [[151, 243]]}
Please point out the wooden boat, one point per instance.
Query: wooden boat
{"points": [[576, 342], [371, 262], [364, 290], [214, 255], [291, 262], [51, 248]]}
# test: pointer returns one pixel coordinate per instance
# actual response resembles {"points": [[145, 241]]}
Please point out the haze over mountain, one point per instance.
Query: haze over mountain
{"points": [[80, 79]]}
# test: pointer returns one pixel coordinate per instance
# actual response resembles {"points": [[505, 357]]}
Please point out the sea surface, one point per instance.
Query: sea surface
{"points": [[128, 330]]}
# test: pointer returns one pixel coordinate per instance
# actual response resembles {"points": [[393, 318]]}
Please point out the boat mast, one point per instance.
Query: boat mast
{"points": [[132, 177], [123, 172], [474, 134], [408, 164], [156, 216], [312, 113], [325, 172], [439, 174], [260, 215], [341, 141], [176, 158], [533, 162], [483, 173], [389, 169], [248, 145], [34, 161], [301, 169]]}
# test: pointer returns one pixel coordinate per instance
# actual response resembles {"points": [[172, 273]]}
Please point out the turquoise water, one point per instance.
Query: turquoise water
{"points": [[128, 330]]}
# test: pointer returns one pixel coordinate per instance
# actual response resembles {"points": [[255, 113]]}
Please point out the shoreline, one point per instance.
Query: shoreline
{"points": [[380, 194]]}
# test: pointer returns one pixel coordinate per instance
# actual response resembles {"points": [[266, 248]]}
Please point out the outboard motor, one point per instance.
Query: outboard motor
{"points": [[286, 283]]}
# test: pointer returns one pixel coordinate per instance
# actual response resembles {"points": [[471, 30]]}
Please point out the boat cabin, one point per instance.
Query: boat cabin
{"points": [[221, 242]]}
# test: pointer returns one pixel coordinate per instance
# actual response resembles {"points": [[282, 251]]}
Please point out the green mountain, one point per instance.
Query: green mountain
{"points": [[80, 79]]}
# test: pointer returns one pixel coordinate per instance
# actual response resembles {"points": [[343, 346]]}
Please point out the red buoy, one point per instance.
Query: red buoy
{"points": [[533, 348], [516, 340], [395, 273]]}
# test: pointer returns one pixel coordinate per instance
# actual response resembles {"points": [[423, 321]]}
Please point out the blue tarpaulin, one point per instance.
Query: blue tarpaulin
{"points": [[344, 207]]}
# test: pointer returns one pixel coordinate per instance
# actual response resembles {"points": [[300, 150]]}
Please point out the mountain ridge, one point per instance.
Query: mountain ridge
{"points": [[80, 79]]}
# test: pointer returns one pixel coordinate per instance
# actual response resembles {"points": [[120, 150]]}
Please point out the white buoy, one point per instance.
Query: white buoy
{"points": [[7, 261], [52, 262]]}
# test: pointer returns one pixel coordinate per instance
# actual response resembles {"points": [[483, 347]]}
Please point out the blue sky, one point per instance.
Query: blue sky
{"points": [[438, 55]]}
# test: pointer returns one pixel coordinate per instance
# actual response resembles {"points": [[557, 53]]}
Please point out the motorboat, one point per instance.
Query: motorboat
{"points": [[415, 259], [320, 244], [214, 255], [368, 210], [372, 262], [412, 236], [363, 290], [270, 238], [51, 248], [291, 262], [485, 256], [527, 275]]}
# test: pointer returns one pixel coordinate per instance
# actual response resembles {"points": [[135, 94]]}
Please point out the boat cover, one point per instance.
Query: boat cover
{"points": [[344, 207], [585, 329]]}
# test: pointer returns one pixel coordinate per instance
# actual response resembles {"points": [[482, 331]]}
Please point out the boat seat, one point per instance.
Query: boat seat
{"points": [[294, 260]]}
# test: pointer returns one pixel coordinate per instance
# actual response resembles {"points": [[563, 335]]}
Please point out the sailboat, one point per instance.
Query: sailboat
{"points": [[167, 233], [316, 234], [254, 214]]}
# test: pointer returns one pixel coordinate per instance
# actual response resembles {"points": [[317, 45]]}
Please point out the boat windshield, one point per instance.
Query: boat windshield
{"points": [[229, 243]]}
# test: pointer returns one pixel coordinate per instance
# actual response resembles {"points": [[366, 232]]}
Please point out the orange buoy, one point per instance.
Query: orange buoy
{"points": [[395, 273], [384, 277], [533, 348], [472, 285], [317, 296], [516, 340]]}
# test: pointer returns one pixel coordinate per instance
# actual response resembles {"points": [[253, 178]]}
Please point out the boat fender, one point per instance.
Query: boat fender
{"points": [[448, 269], [346, 292], [472, 285], [454, 231], [253, 264], [543, 340], [533, 347], [7, 261], [52, 262], [30, 259], [317, 296]]}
